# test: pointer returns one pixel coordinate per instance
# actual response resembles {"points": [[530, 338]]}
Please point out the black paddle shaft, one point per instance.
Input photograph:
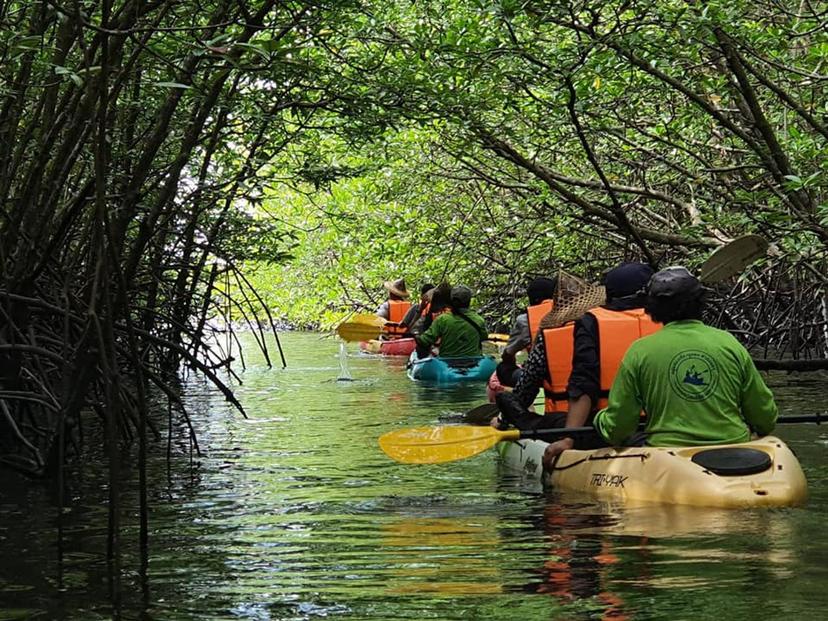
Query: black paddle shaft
{"points": [[540, 434], [803, 418]]}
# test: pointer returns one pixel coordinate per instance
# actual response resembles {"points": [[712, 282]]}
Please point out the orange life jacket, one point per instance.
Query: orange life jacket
{"points": [[396, 312], [535, 313], [616, 332]]}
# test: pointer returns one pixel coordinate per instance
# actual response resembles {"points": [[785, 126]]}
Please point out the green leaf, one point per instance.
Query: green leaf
{"points": [[171, 85], [70, 74]]}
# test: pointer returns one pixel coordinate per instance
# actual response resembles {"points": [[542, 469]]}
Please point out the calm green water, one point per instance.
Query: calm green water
{"points": [[294, 513]]}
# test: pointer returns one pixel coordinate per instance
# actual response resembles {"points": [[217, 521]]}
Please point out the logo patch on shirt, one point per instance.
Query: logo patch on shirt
{"points": [[694, 375]]}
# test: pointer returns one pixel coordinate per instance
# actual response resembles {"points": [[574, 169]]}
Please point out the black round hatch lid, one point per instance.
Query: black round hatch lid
{"points": [[731, 462]]}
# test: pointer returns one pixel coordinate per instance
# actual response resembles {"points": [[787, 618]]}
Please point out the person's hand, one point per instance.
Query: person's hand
{"points": [[553, 450], [496, 422]]}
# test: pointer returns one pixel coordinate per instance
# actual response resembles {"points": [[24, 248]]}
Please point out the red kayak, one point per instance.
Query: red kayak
{"points": [[391, 347]]}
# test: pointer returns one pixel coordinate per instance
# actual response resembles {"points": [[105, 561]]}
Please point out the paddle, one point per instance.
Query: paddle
{"points": [[496, 337], [732, 258], [356, 331], [362, 327], [436, 445], [482, 414]]}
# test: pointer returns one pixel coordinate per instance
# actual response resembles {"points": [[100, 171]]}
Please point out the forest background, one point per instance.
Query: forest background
{"points": [[487, 143], [167, 166]]}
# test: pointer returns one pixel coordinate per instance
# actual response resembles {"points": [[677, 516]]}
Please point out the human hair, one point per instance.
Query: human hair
{"points": [[665, 309], [541, 289], [441, 297]]}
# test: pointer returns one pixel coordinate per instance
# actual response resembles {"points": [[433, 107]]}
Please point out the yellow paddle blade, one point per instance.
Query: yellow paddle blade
{"points": [[350, 331], [435, 445], [497, 337], [368, 319]]}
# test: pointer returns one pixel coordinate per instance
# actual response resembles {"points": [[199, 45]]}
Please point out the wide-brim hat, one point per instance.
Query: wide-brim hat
{"points": [[397, 287], [574, 298]]}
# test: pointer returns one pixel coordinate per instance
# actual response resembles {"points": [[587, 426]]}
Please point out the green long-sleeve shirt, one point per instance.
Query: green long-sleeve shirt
{"points": [[457, 337], [697, 385]]}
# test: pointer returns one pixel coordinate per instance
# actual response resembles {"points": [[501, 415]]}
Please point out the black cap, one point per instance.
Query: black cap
{"points": [[461, 296], [627, 279], [673, 281]]}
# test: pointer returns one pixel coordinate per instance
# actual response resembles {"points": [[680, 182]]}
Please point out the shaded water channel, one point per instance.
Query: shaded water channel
{"points": [[294, 513]]}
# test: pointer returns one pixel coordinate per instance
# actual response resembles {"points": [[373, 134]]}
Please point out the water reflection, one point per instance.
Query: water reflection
{"points": [[601, 558], [442, 555]]}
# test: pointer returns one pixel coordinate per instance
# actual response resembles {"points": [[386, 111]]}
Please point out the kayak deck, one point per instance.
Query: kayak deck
{"points": [[665, 474], [451, 370]]}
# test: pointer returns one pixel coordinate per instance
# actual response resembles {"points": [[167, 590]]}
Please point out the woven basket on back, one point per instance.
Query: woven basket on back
{"points": [[574, 298]]}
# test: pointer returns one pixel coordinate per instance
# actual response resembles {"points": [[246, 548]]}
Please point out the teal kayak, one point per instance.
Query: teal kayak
{"points": [[451, 370]]}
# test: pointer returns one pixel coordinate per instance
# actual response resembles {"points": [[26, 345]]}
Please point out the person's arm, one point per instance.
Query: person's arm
{"points": [[578, 411], [482, 332], [426, 322], [576, 416], [411, 315], [534, 373], [384, 310], [620, 418], [428, 338], [758, 406], [519, 338], [585, 379]]}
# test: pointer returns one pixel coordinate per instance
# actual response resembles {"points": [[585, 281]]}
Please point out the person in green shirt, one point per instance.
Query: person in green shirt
{"points": [[696, 384], [458, 330]]}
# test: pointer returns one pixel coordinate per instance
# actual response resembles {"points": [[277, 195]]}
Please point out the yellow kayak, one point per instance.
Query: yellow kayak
{"points": [[760, 473]]}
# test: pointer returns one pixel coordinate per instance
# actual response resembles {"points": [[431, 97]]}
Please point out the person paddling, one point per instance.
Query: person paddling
{"points": [[696, 384], [415, 317], [540, 291], [394, 308], [457, 329], [576, 363]]}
